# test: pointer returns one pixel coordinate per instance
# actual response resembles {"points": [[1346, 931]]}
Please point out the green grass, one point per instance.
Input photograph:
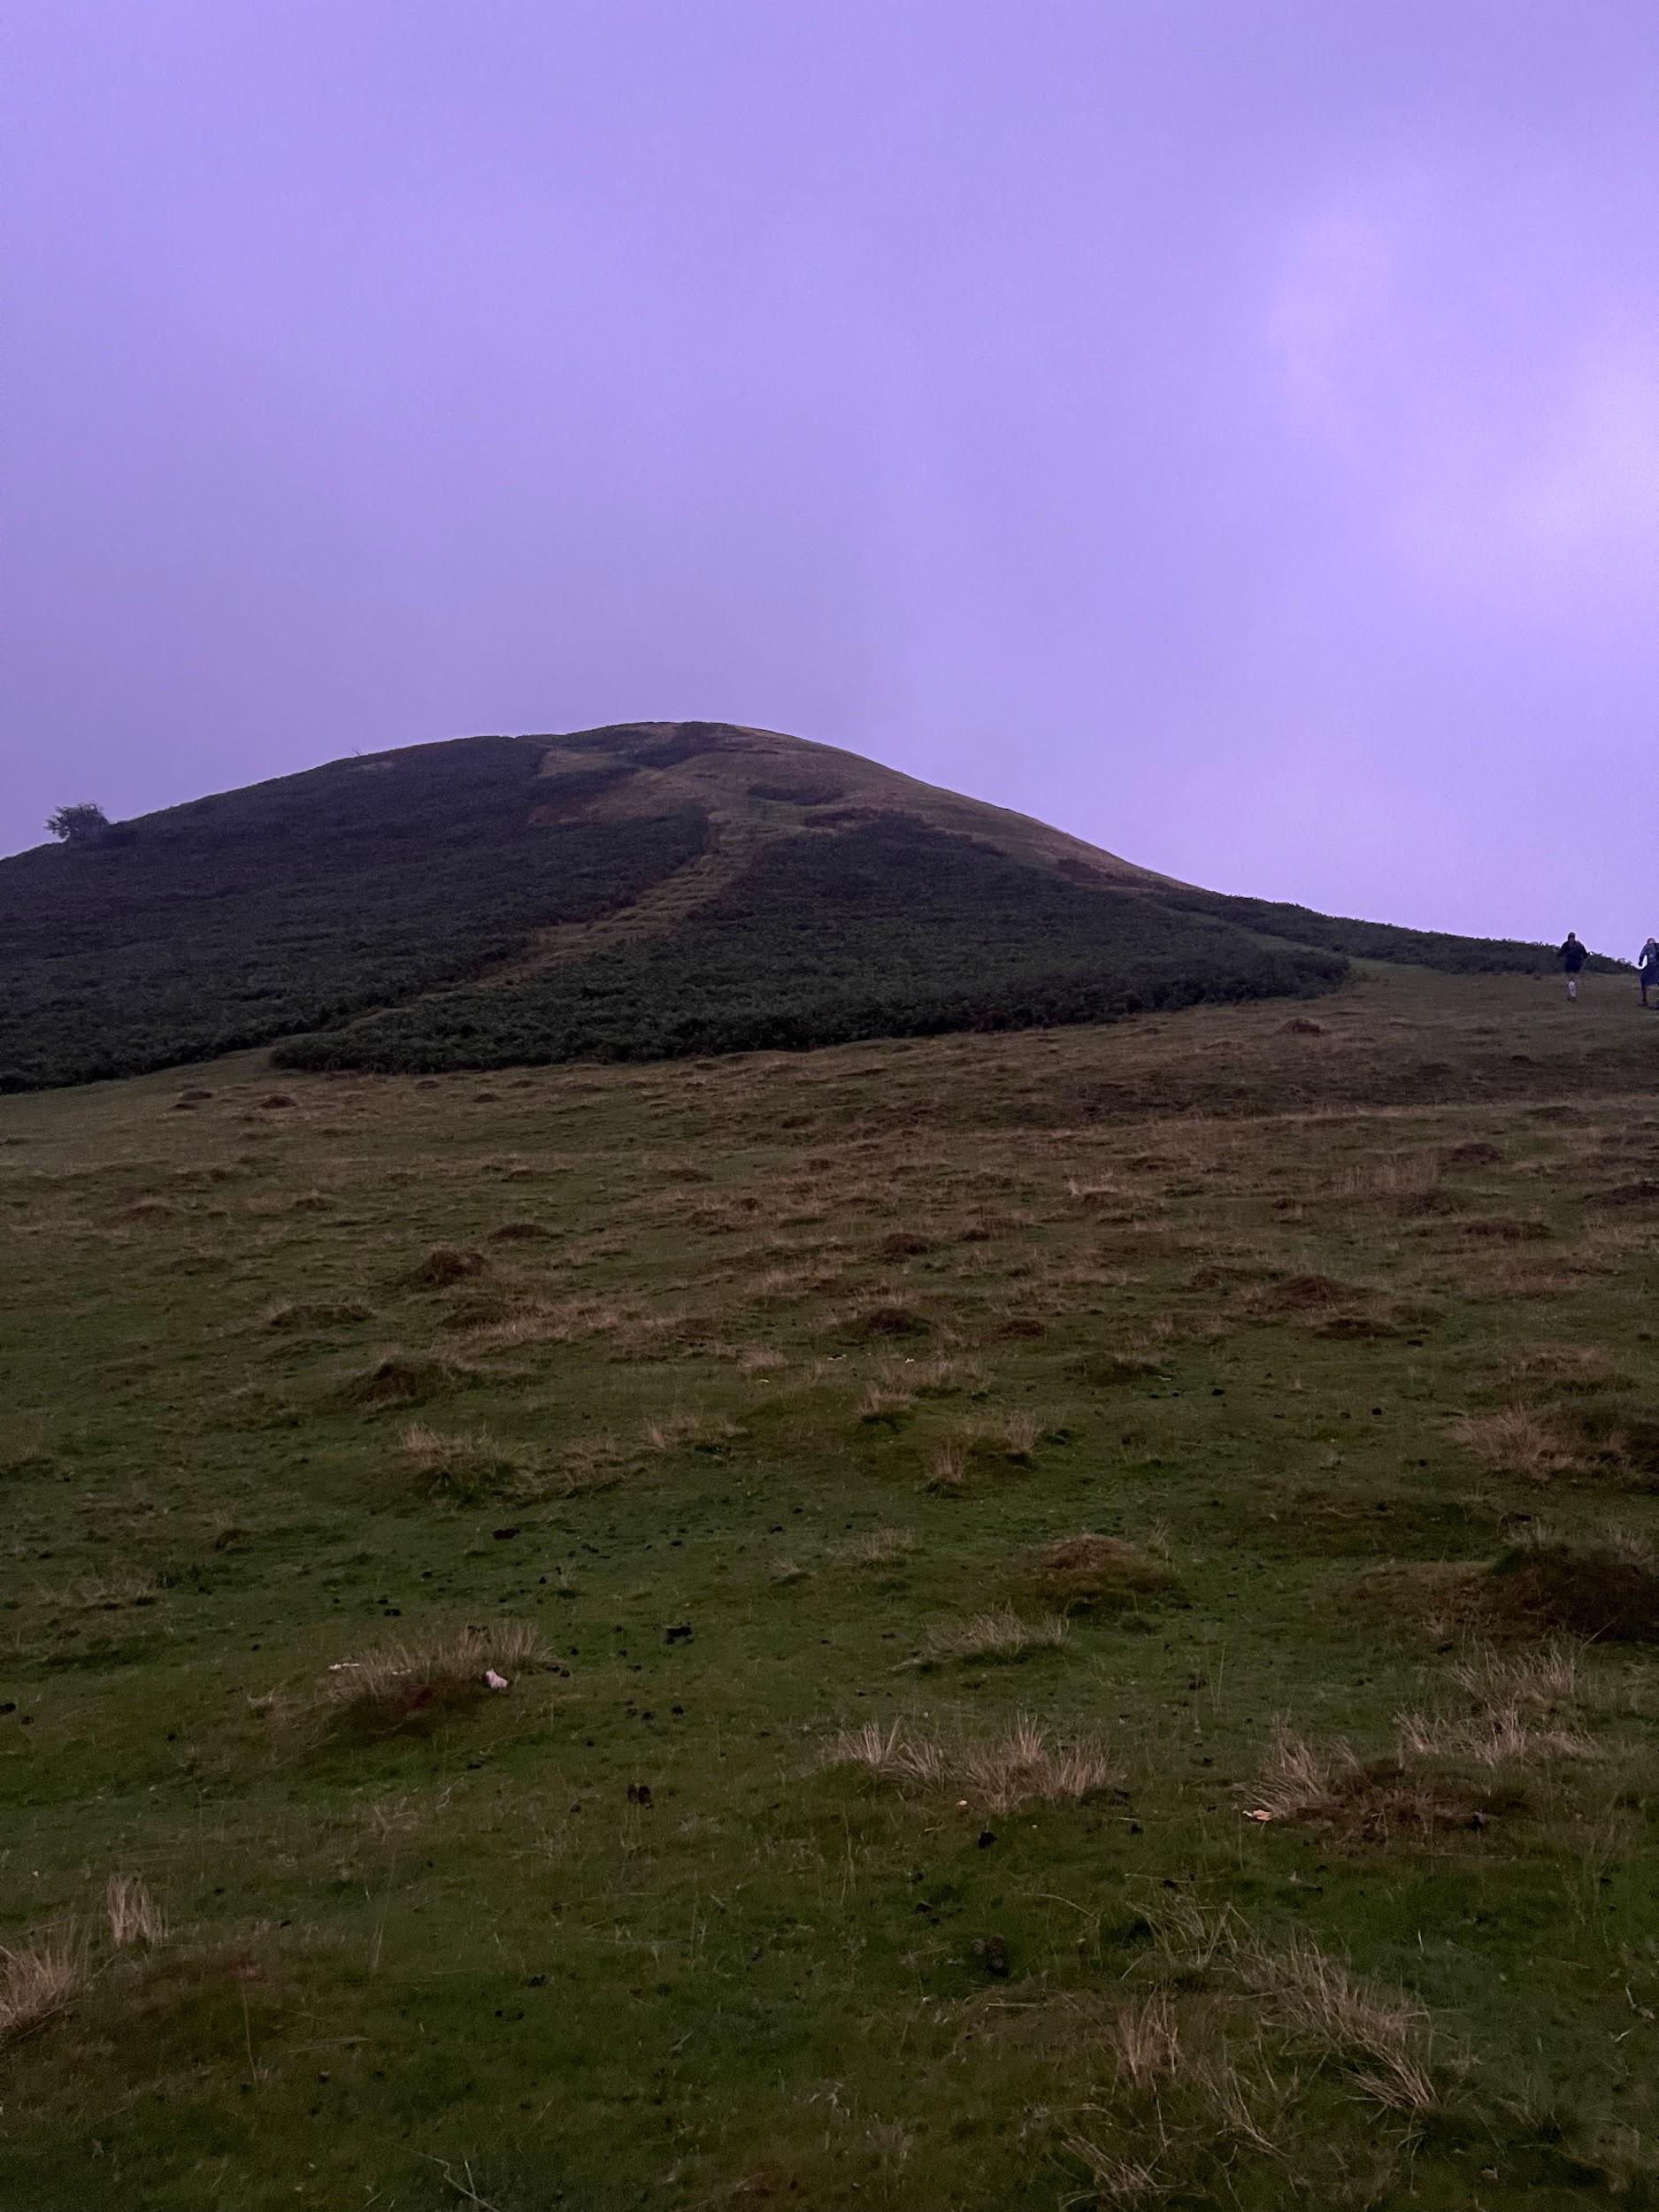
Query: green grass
{"points": [[1340, 1332]]}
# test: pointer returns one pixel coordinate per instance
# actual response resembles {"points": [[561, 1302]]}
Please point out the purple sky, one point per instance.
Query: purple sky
{"points": [[1227, 428]]}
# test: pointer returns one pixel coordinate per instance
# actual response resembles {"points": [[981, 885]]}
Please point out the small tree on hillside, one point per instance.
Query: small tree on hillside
{"points": [[79, 825]]}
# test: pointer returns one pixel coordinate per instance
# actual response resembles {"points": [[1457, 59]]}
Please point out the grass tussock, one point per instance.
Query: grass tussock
{"points": [[1567, 1370], [1453, 1765], [710, 1433], [1517, 1440], [414, 1681], [1024, 1766], [463, 1464], [878, 1548], [1000, 1635], [38, 1978], [1376, 2035], [1253, 2065], [444, 1266], [134, 1920], [403, 1378], [882, 1316], [1603, 1588], [1078, 1574]]}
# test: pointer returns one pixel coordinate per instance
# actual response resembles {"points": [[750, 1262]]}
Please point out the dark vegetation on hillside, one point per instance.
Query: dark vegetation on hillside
{"points": [[248, 916], [365, 903], [1384, 940], [890, 930]]}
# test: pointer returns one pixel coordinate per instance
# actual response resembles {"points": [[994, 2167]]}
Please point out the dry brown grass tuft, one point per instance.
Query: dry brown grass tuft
{"points": [[1023, 1768], [1379, 2037], [119, 1592], [1523, 1718], [39, 1979], [937, 1375], [1565, 1369], [136, 1921], [688, 1432], [411, 1681], [877, 1547], [462, 1463], [1073, 1574], [1020, 1768], [894, 1753], [948, 1475], [881, 1407], [1000, 1635], [1517, 1441], [1145, 2040], [760, 1359]]}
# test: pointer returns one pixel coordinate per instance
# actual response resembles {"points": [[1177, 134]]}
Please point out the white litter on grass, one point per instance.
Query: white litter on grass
{"points": [[493, 1681], [339, 1666]]}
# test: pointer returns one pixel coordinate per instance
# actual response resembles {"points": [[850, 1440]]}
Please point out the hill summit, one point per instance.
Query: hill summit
{"points": [[641, 891]]}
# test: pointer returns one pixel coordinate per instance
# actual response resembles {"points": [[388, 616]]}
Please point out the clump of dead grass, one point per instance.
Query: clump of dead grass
{"points": [[136, 1921], [947, 1473], [706, 1433], [38, 1978], [877, 1547], [415, 1680], [1517, 1440], [1452, 1766], [1219, 2066], [464, 1464], [1024, 1766], [1565, 1370], [1376, 2034], [1000, 1635]]}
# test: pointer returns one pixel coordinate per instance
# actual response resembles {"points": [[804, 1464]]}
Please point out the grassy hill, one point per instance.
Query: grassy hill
{"points": [[1080, 1611], [639, 892]]}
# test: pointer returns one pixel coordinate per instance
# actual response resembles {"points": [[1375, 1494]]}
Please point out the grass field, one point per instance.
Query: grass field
{"points": [[1079, 1609]]}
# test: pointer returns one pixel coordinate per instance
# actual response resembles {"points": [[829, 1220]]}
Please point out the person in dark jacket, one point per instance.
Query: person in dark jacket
{"points": [[1573, 956], [1648, 968]]}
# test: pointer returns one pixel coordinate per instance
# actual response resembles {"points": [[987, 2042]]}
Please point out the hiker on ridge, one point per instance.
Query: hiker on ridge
{"points": [[1573, 956], [1648, 968]]}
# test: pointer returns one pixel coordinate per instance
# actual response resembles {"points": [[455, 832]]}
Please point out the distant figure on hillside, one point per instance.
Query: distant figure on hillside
{"points": [[1648, 968], [1573, 956]]}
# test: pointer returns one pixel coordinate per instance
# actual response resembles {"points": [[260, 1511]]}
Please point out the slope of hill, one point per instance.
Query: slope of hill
{"points": [[627, 893], [1079, 1626]]}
